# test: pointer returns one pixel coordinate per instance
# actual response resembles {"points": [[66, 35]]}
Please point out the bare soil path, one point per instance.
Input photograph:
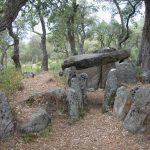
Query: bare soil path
{"points": [[96, 131]]}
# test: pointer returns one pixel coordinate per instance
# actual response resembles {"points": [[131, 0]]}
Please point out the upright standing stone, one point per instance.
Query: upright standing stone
{"points": [[139, 111], [6, 119], [112, 85], [75, 84], [122, 101], [69, 73], [72, 99], [126, 72], [83, 81]]}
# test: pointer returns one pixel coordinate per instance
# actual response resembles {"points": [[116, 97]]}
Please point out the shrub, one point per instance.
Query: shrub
{"points": [[35, 68], [10, 80], [54, 65], [134, 55]]}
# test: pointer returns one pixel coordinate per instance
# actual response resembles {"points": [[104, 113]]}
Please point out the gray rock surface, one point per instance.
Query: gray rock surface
{"points": [[105, 71], [58, 93], [76, 85], [122, 102], [69, 73], [36, 122], [83, 81], [146, 77], [73, 108], [112, 85], [139, 111], [126, 72], [6, 118], [93, 76], [89, 60]]}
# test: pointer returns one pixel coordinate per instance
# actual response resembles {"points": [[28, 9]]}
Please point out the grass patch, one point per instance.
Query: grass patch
{"points": [[31, 137]]}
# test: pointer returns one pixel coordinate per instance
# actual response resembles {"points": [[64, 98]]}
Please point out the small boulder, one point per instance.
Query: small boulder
{"points": [[6, 118], [57, 93], [38, 121]]}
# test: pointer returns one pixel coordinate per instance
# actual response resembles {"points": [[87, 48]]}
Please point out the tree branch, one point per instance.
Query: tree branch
{"points": [[11, 12]]}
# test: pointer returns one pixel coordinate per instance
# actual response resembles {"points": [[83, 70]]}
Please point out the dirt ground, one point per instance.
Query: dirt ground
{"points": [[96, 131]]}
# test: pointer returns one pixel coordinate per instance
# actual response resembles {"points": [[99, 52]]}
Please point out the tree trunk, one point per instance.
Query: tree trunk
{"points": [[144, 52], [12, 8], [71, 37], [44, 66], [80, 41], [15, 56], [70, 28], [2, 58], [125, 33]]}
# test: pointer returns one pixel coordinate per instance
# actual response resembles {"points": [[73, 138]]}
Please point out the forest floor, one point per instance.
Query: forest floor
{"points": [[96, 131]]}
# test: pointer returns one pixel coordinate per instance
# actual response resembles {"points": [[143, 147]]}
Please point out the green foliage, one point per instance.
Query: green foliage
{"points": [[30, 137], [55, 65], [10, 80], [35, 68], [134, 54]]}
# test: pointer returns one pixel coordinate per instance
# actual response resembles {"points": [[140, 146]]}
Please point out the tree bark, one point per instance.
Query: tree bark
{"points": [[44, 66], [144, 51], [2, 58], [125, 33], [4, 54], [15, 57], [70, 28], [11, 12]]}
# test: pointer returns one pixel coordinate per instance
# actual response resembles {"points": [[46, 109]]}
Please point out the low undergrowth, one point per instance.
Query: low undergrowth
{"points": [[10, 80], [31, 137]]}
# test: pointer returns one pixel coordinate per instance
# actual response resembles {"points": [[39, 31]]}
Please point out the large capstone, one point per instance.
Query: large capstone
{"points": [[6, 118], [140, 110], [90, 60]]}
